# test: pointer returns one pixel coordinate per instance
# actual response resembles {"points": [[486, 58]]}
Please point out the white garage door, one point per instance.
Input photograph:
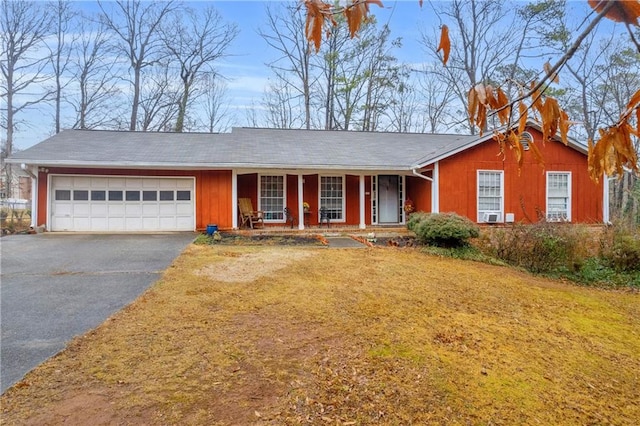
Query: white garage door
{"points": [[105, 203]]}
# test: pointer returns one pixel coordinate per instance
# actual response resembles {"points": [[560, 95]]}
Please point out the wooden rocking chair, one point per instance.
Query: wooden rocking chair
{"points": [[248, 216]]}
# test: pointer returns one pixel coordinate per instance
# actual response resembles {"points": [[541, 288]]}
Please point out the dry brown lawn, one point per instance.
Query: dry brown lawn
{"points": [[274, 335]]}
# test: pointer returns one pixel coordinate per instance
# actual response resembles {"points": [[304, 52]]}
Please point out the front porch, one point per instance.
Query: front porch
{"points": [[351, 202]]}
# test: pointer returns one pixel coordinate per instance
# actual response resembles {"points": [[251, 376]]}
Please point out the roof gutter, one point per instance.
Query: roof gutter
{"points": [[420, 175], [34, 194]]}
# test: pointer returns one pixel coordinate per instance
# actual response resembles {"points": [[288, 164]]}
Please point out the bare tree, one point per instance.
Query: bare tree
{"points": [[93, 63], [137, 26], [159, 100], [63, 17], [285, 34], [195, 40], [215, 103], [24, 25], [434, 101], [359, 76], [277, 101], [403, 109]]}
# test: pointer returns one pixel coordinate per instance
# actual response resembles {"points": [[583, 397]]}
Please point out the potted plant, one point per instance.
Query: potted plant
{"points": [[305, 206], [408, 205]]}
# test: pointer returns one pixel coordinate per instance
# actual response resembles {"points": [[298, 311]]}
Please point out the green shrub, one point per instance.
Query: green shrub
{"points": [[443, 229], [415, 219]]}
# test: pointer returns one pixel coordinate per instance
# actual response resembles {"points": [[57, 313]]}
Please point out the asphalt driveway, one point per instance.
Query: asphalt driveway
{"points": [[57, 286]]}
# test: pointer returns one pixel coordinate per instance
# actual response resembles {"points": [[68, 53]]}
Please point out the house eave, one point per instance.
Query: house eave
{"points": [[207, 166]]}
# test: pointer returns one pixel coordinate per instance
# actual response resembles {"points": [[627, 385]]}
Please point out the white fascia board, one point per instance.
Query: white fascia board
{"points": [[213, 166]]}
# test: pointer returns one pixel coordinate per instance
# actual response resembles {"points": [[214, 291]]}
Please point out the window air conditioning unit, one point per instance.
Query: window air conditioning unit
{"points": [[491, 217]]}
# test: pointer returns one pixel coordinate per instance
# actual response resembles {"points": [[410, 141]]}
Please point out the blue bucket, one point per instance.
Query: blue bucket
{"points": [[212, 229]]}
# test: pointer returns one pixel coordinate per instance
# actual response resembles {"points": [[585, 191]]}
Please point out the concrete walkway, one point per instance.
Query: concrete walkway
{"points": [[344, 242]]}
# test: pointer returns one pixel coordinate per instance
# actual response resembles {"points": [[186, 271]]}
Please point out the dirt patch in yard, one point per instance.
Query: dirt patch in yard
{"points": [[345, 337], [242, 267]]}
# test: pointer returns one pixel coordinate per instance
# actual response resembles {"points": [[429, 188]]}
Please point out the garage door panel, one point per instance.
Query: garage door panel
{"points": [[99, 210], [133, 223], [64, 209], [80, 209], [116, 210], [116, 183], [167, 209], [99, 224], [184, 209], [99, 182], [117, 224], [133, 210], [104, 203], [80, 224], [150, 210], [82, 182], [150, 223]]}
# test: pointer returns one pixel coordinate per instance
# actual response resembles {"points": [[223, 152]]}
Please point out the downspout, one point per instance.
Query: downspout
{"points": [[34, 195], [435, 205], [606, 218]]}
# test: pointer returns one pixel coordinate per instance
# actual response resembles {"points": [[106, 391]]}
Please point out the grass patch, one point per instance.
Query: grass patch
{"points": [[288, 335]]}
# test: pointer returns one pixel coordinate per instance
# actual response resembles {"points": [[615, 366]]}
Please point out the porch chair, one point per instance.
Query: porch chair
{"points": [[248, 216], [289, 216], [323, 216]]}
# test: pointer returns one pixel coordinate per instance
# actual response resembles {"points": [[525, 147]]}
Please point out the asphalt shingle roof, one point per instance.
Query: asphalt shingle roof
{"points": [[243, 148]]}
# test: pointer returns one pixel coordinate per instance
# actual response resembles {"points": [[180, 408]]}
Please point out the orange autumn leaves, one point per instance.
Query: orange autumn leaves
{"points": [[615, 151], [320, 13], [627, 11]]}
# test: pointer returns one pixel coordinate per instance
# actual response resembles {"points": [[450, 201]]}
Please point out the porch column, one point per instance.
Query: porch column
{"points": [[300, 201], [435, 190], [234, 199], [362, 208]]}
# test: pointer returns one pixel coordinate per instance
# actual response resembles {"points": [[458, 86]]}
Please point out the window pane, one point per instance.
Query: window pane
{"points": [[81, 195], [115, 195], [133, 195], [166, 195], [272, 197], [183, 195], [489, 194], [63, 195], [558, 196], [149, 195], [331, 193], [98, 195]]}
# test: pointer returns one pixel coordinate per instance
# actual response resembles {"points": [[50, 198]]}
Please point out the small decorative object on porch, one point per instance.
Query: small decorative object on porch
{"points": [[305, 206], [408, 206]]}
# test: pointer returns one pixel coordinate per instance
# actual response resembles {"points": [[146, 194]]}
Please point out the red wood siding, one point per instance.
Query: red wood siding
{"points": [[419, 190], [352, 202], [212, 191], [524, 190]]}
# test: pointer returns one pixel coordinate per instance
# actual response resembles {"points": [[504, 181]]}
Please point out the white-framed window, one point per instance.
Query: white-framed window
{"points": [[558, 196], [332, 196], [272, 197], [490, 196]]}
